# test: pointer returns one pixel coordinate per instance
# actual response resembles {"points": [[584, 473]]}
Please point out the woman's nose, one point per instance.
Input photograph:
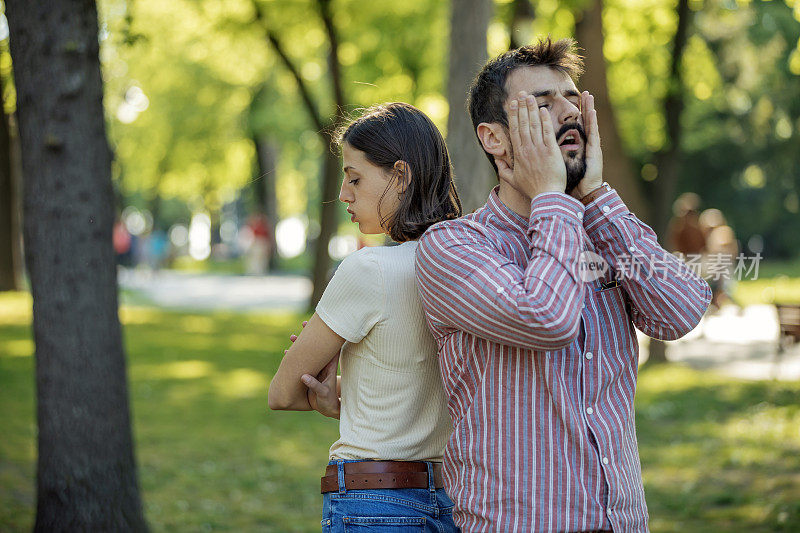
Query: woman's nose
{"points": [[344, 194]]}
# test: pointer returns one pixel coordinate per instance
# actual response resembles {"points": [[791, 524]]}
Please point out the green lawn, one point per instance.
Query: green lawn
{"points": [[717, 454]]}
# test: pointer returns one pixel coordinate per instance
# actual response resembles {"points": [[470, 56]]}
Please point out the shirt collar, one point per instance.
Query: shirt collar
{"points": [[506, 216]]}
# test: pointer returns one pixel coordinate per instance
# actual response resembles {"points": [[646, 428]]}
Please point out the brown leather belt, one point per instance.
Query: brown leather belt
{"points": [[382, 475]]}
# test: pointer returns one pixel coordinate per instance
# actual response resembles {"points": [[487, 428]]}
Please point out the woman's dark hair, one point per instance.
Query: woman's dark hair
{"points": [[388, 133]]}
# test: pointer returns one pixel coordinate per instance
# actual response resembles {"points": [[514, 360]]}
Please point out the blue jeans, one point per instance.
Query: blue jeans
{"points": [[387, 510]]}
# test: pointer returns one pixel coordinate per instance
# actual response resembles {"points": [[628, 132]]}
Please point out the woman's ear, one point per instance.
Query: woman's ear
{"points": [[403, 173]]}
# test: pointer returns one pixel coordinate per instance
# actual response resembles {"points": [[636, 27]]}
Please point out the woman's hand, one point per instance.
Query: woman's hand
{"points": [[323, 395], [293, 337], [311, 351]]}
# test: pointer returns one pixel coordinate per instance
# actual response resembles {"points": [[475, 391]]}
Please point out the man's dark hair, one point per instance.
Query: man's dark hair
{"points": [[388, 133], [487, 94]]}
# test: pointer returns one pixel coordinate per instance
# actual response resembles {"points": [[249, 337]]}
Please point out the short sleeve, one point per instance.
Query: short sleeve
{"points": [[353, 301]]}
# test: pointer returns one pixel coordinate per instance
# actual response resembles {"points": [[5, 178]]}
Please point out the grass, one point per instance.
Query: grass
{"points": [[717, 454]]}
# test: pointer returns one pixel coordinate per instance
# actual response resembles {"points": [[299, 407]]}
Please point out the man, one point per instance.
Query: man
{"points": [[537, 351]]}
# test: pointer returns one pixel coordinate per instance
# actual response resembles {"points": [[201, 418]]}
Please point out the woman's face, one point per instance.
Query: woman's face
{"points": [[362, 187]]}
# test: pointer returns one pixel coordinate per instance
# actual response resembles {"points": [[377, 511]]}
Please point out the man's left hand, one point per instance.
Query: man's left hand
{"points": [[593, 153]]}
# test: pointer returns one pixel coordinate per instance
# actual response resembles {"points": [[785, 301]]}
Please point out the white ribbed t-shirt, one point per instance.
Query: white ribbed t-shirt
{"points": [[393, 405]]}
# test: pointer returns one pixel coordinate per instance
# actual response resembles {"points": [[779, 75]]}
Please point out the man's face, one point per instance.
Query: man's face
{"points": [[556, 91]]}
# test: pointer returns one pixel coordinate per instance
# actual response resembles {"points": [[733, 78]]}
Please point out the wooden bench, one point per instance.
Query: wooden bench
{"points": [[789, 319]]}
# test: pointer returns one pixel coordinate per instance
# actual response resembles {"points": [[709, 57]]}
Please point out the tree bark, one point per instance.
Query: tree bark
{"points": [[325, 128], [474, 177], [668, 160], [9, 260], [86, 475], [264, 185], [618, 169]]}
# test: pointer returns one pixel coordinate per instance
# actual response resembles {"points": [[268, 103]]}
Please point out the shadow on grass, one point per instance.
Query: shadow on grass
{"points": [[718, 454]]}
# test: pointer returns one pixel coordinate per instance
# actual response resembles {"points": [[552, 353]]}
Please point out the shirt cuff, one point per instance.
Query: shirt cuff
{"points": [[602, 210], [552, 204]]}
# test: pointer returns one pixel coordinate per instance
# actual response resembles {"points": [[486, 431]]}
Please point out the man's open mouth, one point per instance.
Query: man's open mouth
{"points": [[570, 140]]}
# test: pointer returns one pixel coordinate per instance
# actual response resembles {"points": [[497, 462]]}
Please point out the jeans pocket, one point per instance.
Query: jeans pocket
{"points": [[383, 524]]}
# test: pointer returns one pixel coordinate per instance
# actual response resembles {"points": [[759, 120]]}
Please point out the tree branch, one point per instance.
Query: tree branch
{"points": [[301, 85], [333, 59]]}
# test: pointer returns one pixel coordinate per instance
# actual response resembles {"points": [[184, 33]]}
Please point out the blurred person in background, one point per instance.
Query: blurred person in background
{"points": [[720, 253], [385, 470], [684, 234], [260, 245]]}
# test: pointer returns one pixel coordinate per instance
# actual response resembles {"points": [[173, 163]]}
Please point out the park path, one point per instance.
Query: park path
{"points": [[216, 292], [737, 343]]}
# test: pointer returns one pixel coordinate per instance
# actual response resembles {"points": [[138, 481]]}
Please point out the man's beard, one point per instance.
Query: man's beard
{"points": [[576, 170], [576, 160]]}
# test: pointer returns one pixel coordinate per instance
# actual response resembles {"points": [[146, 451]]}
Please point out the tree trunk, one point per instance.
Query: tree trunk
{"points": [[474, 177], [264, 185], [330, 164], [668, 160], [327, 224], [9, 261], [86, 475], [618, 168]]}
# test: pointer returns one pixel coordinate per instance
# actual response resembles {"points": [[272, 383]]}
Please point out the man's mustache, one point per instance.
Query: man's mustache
{"points": [[571, 126]]}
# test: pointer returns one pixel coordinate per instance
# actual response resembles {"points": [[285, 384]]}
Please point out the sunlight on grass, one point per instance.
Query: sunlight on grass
{"points": [[17, 348], [197, 324], [15, 308], [242, 383], [176, 370], [781, 289]]}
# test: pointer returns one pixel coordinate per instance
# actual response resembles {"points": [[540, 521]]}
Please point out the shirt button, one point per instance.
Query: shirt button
{"points": [[606, 209], [605, 460], [500, 290], [632, 249], [589, 410], [578, 214], [589, 355], [608, 512]]}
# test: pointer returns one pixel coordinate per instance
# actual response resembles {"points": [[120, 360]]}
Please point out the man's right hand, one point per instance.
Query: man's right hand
{"points": [[538, 165]]}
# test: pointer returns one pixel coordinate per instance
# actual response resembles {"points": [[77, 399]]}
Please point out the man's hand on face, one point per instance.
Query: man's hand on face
{"points": [[593, 153], [538, 164]]}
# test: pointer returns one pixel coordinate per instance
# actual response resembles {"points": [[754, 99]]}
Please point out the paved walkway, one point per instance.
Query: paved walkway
{"points": [[738, 343], [216, 292]]}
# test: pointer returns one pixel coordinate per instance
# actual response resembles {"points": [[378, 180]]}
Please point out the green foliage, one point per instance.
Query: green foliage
{"points": [[743, 143], [213, 81]]}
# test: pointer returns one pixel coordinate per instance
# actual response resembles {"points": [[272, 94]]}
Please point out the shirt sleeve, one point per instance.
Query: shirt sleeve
{"points": [[467, 284], [667, 298], [353, 300]]}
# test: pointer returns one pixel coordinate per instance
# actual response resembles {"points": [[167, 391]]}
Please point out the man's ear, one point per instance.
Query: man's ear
{"points": [[403, 173], [493, 139]]}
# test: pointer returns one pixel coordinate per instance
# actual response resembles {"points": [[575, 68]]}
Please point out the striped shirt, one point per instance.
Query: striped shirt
{"points": [[540, 366]]}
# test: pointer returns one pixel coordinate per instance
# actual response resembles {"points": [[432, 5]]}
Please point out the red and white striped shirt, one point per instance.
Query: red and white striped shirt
{"points": [[540, 367]]}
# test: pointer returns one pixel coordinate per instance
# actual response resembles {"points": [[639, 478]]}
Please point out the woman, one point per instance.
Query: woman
{"points": [[385, 469]]}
